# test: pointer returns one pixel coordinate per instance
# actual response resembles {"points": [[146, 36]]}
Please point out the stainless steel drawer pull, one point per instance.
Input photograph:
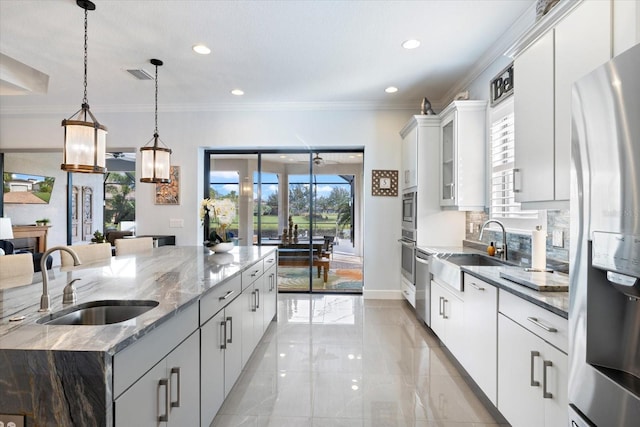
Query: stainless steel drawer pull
{"points": [[475, 286], [444, 308], [230, 320], [536, 322], [545, 393], [225, 296], [223, 334], [534, 383], [255, 273], [257, 298], [176, 371], [440, 306], [164, 382], [516, 184]]}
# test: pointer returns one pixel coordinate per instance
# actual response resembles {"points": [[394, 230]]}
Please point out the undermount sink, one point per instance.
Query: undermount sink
{"points": [[104, 312], [476, 259]]}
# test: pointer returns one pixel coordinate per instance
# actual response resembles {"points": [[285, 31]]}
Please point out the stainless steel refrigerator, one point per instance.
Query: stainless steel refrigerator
{"points": [[604, 308]]}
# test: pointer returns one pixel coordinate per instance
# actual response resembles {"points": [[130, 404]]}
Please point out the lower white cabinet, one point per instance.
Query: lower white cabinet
{"points": [[167, 394], [447, 318], [481, 334], [220, 358], [532, 378], [270, 292], [252, 317]]}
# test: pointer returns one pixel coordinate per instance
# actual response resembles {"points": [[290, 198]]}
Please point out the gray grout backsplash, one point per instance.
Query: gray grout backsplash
{"points": [[519, 245]]}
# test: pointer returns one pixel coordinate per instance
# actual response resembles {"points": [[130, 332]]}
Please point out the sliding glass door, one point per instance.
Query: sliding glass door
{"points": [[306, 203]]}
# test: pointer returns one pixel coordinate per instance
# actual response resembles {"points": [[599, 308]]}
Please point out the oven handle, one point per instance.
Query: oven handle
{"points": [[407, 243], [422, 261]]}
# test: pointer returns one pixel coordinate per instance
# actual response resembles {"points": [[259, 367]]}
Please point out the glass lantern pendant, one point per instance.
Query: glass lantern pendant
{"points": [[84, 140], [156, 160]]}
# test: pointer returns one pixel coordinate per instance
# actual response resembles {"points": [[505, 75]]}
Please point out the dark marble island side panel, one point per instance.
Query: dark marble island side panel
{"points": [[57, 388]]}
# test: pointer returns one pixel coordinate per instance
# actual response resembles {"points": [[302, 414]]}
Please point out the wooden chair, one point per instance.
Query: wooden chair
{"points": [[133, 246], [328, 246], [88, 254], [16, 270]]}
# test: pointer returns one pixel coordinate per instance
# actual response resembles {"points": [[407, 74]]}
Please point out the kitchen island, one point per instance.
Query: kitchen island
{"points": [[75, 374]]}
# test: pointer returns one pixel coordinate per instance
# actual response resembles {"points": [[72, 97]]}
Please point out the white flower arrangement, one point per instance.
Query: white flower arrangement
{"points": [[222, 211]]}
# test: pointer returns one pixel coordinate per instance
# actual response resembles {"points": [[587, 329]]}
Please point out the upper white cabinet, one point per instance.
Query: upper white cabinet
{"points": [[409, 176], [463, 155], [544, 73]]}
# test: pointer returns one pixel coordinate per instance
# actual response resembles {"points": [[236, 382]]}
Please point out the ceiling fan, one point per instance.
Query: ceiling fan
{"points": [[119, 155], [318, 161]]}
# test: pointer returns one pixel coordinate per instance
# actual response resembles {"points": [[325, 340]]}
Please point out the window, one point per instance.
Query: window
{"points": [[503, 202]]}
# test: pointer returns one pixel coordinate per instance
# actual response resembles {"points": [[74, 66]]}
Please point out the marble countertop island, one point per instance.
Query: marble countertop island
{"points": [[175, 276]]}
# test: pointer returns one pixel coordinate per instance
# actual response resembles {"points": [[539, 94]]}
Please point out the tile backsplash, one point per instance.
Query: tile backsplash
{"points": [[519, 245]]}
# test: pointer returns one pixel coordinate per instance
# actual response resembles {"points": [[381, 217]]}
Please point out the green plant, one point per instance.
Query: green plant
{"points": [[98, 237], [44, 221]]}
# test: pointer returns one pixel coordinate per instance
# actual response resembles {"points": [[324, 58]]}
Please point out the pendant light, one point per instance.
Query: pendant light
{"points": [[156, 160], [84, 141]]}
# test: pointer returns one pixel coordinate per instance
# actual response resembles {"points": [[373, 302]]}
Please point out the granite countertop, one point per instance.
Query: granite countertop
{"points": [[556, 301], [175, 276]]}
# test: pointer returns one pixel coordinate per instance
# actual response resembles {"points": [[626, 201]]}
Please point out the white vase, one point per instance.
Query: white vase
{"points": [[222, 247]]}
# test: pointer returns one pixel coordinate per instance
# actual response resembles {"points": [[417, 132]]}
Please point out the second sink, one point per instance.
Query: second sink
{"points": [[104, 312]]}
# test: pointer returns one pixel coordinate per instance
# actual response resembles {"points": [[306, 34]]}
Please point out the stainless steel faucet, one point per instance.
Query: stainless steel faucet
{"points": [[503, 250], [69, 291]]}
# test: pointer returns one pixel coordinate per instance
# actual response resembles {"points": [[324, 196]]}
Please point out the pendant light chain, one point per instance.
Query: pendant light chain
{"points": [[86, 39], [156, 131]]}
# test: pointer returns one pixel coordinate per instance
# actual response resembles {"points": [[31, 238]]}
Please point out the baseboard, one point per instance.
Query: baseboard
{"points": [[382, 294]]}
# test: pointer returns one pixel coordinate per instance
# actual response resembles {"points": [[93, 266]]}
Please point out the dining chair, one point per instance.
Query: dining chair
{"points": [[16, 270], [88, 254], [133, 246]]}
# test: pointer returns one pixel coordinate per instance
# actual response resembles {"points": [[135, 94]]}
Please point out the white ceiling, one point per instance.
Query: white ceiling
{"points": [[292, 53]]}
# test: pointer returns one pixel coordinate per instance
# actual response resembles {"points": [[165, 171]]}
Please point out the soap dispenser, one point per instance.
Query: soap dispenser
{"points": [[491, 249]]}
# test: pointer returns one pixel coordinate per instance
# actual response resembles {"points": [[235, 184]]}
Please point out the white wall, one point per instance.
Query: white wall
{"points": [[188, 134]]}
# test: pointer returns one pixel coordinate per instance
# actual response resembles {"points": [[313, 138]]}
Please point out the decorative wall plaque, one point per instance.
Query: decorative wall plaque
{"points": [[384, 183], [502, 85]]}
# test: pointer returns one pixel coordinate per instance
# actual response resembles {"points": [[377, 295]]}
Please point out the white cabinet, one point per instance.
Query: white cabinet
{"points": [[434, 226], [270, 289], [544, 74], [532, 364], [409, 176], [447, 318], [481, 334], [463, 155], [220, 355], [167, 394], [252, 301], [408, 291]]}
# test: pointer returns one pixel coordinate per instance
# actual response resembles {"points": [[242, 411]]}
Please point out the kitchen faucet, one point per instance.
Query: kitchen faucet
{"points": [[69, 291], [502, 251]]}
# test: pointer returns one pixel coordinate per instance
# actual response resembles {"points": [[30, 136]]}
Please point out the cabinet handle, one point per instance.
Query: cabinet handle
{"points": [[534, 383], [257, 298], [545, 393], [230, 320], [255, 273], [270, 260], [227, 295], [475, 286], [176, 371], [536, 322], [516, 187], [440, 306], [254, 306], [444, 308], [453, 191], [164, 383], [223, 334]]}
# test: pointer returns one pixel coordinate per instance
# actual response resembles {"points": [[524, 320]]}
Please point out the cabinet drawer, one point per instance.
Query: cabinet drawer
{"points": [[547, 325], [219, 297], [132, 362], [270, 260], [409, 292], [252, 273]]}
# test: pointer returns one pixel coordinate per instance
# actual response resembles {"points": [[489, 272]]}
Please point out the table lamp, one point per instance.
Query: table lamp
{"points": [[6, 232]]}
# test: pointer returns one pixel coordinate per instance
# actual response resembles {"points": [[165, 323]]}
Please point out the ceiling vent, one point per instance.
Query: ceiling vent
{"points": [[140, 74]]}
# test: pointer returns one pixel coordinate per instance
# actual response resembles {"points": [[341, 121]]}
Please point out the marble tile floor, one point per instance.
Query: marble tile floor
{"points": [[342, 361]]}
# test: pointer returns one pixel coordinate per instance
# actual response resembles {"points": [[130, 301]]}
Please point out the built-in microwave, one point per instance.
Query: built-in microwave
{"points": [[409, 209]]}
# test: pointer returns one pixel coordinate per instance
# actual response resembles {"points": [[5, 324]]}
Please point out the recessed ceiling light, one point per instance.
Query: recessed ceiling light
{"points": [[359, 154], [411, 44], [237, 92], [282, 156], [201, 49], [391, 89]]}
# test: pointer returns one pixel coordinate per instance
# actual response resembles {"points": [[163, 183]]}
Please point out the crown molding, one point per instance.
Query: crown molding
{"points": [[63, 110], [515, 32]]}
